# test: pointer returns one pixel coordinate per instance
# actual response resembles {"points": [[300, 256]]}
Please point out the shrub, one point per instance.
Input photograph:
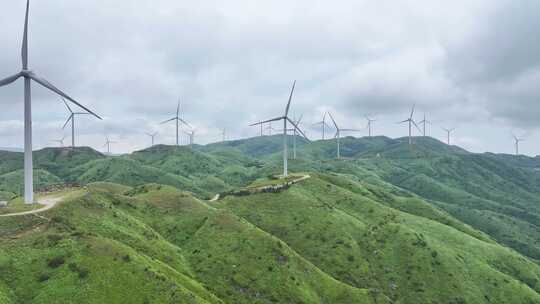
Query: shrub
{"points": [[56, 262], [43, 277]]}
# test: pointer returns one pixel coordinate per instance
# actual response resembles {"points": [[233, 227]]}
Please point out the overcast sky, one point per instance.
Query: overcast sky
{"points": [[473, 65]]}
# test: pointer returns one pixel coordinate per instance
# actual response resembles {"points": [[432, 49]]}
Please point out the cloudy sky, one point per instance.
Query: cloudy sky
{"points": [[473, 65]]}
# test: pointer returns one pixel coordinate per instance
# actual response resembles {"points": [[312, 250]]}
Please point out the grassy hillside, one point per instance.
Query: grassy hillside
{"points": [[338, 241], [13, 181], [388, 223]]}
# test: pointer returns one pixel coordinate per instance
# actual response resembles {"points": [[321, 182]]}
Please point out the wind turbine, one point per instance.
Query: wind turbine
{"points": [[424, 122], [28, 76], [223, 135], [448, 131], [517, 140], [337, 136], [60, 141], [323, 124], [369, 124], [178, 120], [108, 143], [285, 119], [297, 122], [411, 123], [191, 135], [152, 136], [72, 119]]}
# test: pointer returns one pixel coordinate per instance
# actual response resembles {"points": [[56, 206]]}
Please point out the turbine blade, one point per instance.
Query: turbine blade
{"points": [[351, 130], [69, 109], [184, 122], [290, 98], [24, 50], [166, 121], [51, 87], [417, 127], [270, 120], [332, 117], [300, 119], [9, 80], [412, 111], [67, 121], [298, 129], [178, 109]]}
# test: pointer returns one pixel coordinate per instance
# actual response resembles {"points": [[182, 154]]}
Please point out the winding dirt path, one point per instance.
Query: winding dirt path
{"points": [[48, 202], [261, 188]]}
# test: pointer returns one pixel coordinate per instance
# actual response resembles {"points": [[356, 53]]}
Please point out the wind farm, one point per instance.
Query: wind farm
{"points": [[257, 188]]}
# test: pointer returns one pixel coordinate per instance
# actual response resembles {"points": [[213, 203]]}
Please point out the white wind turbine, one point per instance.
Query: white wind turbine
{"points": [[152, 136], [323, 125], [223, 135], [285, 119], [295, 133], [28, 76], [178, 120], [71, 118], [108, 143], [191, 135], [269, 128], [60, 141], [448, 131], [369, 124], [517, 140], [411, 123], [424, 122], [337, 136]]}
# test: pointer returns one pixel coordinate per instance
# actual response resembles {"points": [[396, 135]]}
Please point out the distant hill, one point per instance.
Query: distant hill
{"points": [[11, 149]]}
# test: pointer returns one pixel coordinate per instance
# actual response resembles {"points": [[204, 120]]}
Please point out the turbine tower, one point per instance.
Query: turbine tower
{"points": [[424, 122], [337, 136], [269, 128], [517, 140], [71, 118], [323, 125], [28, 76], [411, 123], [285, 119], [448, 131], [152, 136], [369, 124], [178, 120], [191, 135], [108, 143]]}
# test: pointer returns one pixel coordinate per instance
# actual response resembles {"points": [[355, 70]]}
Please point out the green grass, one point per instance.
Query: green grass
{"points": [[329, 239], [18, 205]]}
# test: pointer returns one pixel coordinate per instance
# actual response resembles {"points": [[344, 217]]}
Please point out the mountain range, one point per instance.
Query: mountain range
{"points": [[388, 223]]}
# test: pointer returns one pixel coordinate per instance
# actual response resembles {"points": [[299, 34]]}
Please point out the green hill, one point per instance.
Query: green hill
{"points": [[388, 223], [59, 161], [328, 239], [13, 181]]}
